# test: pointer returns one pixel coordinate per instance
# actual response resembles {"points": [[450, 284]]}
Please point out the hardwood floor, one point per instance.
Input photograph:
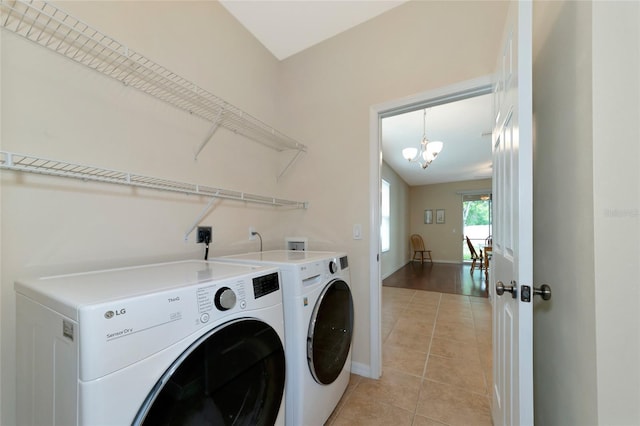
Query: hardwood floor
{"points": [[441, 277]]}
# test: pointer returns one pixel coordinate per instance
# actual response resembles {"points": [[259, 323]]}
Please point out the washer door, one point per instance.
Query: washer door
{"points": [[233, 375], [330, 332]]}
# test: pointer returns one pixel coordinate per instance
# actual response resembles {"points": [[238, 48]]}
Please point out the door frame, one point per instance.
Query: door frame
{"points": [[455, 92]]}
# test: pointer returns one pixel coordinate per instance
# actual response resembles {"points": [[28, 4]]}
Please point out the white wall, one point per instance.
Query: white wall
{"points": [[328, 90], [586, 204], [399, 251], [55, 108], [616, 208], [564, 327]]}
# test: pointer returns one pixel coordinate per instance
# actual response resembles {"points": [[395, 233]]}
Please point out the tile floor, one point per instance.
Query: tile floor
{"points": [[436, 364]]}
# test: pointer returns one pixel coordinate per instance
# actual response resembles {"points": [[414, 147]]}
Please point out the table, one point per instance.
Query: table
{"points": [[488, 250]]}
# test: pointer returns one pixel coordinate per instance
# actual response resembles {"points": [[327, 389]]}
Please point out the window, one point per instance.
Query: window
{"points": [[384, 211], [476, 221]]}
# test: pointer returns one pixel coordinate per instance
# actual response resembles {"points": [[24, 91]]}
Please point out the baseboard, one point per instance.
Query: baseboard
{"points": [[361, 369]]}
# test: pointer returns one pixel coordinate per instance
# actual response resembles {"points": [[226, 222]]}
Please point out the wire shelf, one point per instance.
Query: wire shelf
{"points": [[51, 27], [32, 164]]}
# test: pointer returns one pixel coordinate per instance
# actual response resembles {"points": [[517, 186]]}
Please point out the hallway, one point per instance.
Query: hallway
{"points": [[436, 363]]}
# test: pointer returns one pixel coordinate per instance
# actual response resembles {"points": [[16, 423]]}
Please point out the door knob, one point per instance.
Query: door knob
{"points": [[501, 288], [544, 291]]}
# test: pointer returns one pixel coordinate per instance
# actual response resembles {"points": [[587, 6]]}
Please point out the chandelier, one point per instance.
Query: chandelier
{"points": [[428, 150]]}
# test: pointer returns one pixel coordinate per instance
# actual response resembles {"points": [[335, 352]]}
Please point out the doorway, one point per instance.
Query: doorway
{"points": [[461, 91]]}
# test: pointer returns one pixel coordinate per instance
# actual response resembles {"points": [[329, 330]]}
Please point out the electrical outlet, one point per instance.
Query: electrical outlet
{"points": [[204, 232], [252, 236]]}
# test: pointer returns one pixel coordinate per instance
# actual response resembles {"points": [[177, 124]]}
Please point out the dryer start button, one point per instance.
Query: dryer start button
{"points": [[204, 318]]}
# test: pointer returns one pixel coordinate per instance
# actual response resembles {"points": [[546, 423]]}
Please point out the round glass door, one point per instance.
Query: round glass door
{"points": [[233, 375], [330, 332]]}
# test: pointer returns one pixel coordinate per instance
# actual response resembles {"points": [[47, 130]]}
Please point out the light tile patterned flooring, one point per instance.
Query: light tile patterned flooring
{"points": [[436, 364]]}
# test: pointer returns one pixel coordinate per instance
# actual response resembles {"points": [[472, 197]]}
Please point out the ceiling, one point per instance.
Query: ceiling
{"points": [[464, 128], [291, 26], [288, 27]]}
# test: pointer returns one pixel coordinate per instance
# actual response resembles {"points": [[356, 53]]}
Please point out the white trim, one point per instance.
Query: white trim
{"points": [[375, 283], [361, 369], [475, 192], [441, 95]]}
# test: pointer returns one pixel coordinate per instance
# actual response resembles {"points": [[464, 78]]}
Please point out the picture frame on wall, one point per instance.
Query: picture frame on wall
{"points": [[428, 217], [440, 216]]}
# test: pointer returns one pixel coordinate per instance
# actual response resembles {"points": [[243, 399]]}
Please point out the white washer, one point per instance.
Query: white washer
{"points": [[187, 342], [318, 313]]}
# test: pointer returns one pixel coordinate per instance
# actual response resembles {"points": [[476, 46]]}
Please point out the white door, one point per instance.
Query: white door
{"points": [[512, 259]]}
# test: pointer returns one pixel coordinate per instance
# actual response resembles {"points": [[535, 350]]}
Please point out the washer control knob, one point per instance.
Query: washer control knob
{"points": [[225, 299], [333, 267]]}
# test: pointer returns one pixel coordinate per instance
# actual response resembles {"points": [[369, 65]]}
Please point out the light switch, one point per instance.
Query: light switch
{"points": [[357, 231]]}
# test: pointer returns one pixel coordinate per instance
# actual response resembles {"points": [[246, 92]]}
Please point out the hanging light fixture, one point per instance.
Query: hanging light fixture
{"points": [[428, 151]]}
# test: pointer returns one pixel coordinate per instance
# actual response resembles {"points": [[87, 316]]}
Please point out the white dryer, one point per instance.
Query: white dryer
{"points": [[318, 313], [189, 342]]}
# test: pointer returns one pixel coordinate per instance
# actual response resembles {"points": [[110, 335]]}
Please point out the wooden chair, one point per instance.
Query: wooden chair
{"points": [[418, 248], [475, 258]]}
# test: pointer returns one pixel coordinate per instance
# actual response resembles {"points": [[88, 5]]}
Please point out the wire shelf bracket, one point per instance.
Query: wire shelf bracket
{"points": [[212, 131], [51, 27], [200, 217]]}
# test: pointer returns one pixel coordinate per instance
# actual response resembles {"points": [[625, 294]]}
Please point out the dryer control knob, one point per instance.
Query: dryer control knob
{"points": [[225, 299], [333, 267]]}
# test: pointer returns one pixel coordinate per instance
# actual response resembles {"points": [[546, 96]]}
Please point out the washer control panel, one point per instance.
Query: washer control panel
{"points": [[338, 264], [225, 299]]}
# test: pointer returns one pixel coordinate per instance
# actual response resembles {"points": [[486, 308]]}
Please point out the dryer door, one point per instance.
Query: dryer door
{"points": [[233, 375], [330, 332]]}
